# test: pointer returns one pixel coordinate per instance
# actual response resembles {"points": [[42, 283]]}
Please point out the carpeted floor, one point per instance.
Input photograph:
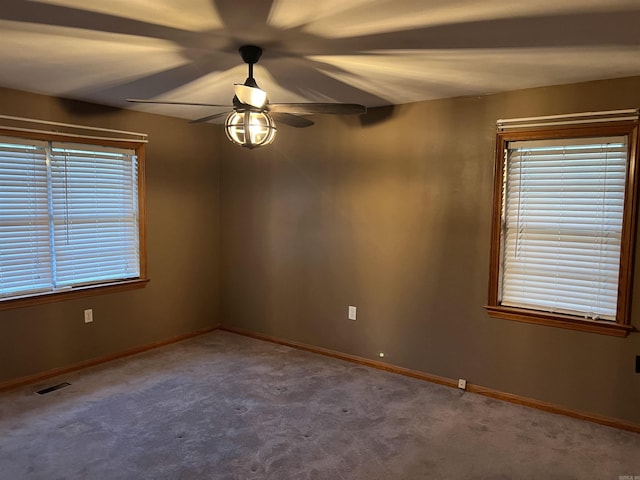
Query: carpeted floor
{"points": [[222, 406]]}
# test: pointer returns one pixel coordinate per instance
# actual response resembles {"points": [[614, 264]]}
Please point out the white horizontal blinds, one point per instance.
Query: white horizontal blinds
{"points": [[94, 194], [25, 265], [24, 222], [562, 225]]}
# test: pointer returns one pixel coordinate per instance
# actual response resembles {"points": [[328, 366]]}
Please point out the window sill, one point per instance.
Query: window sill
{"points": [[78, 292], [559, 320]]}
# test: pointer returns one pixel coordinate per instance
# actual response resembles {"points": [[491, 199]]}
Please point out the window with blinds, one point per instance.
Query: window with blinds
{"points": [[564, 225], [68, 216]]}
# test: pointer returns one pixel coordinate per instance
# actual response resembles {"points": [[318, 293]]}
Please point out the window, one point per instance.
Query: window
{"points": [[70, 219], [563, 227]]}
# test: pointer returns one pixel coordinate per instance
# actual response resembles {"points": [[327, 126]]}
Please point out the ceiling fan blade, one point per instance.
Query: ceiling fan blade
{"points": [[292, 120], [303, 76], [323, 108], [62, 16], [253, 96], [252, 17], [158, 102], [209, 117]]}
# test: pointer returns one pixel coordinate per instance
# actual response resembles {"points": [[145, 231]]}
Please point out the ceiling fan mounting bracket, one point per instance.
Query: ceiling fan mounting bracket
{"points": [[250, 53]]}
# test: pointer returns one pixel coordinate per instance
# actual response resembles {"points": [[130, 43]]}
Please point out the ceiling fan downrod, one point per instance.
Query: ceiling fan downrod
{"points": [[250, 55]]}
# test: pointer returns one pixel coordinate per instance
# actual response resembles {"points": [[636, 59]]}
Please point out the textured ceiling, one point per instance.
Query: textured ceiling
{"points": [[374, 52]]}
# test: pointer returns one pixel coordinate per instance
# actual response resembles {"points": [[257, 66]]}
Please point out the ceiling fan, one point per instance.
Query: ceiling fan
{"points": [[251, 120]]}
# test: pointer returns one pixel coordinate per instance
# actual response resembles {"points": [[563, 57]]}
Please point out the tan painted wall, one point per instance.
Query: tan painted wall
{"points": [[394, 217], [182, 227]]}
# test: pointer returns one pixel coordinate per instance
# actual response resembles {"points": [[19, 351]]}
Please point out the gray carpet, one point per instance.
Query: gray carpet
{"points": [[222, 406]]}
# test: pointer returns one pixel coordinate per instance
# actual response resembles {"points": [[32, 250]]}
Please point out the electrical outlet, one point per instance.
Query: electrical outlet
{"points": [[352, 312], [381, 354], [88, 315], [462, 384]]}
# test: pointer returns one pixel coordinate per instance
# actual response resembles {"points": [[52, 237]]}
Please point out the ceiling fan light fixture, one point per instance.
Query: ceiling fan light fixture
{"points": [[250, 128]]}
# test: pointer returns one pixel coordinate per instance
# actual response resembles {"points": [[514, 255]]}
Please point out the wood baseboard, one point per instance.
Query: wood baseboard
{"points": [[38, 377], [485, 391]]}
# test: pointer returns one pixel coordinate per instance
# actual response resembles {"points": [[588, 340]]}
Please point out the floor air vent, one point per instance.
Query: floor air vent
{"points": [[53, 388]]}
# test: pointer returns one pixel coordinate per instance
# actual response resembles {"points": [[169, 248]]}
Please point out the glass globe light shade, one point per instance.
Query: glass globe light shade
{"points": [[249, 128]]}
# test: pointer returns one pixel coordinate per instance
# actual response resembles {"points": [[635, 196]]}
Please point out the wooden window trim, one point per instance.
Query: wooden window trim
{"points": [[77, 292], [622, 325], [99, 288]]}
